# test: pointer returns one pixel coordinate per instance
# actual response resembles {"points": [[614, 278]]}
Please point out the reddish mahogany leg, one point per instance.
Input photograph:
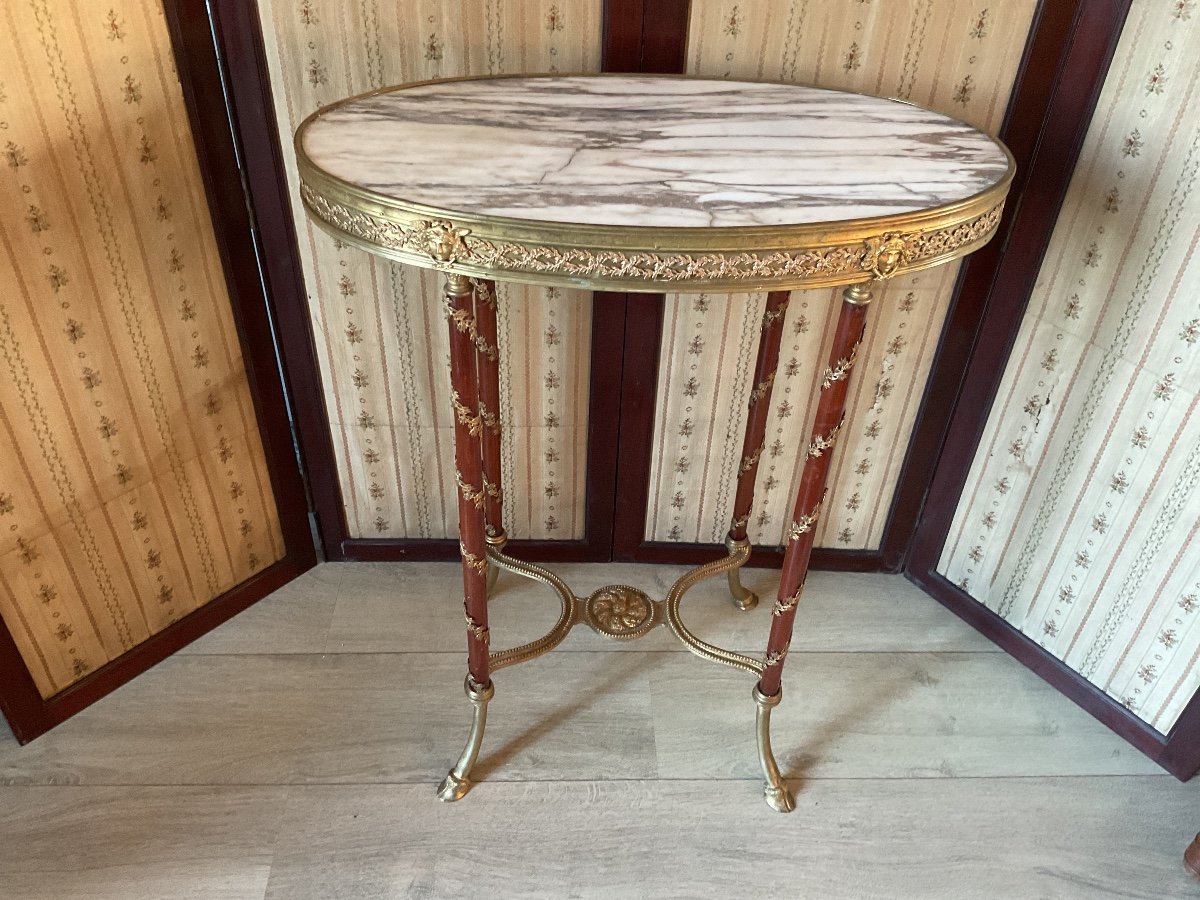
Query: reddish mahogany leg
{"points": [[755, 440], [831, 409], [468, 463], [487, 358]]}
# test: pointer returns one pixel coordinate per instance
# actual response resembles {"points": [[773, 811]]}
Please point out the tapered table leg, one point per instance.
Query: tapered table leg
{"points": [[755, 439], [468, 463], [487, 358], [831, 409]]}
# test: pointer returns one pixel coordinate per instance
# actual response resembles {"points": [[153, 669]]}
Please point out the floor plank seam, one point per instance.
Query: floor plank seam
{"points": [[560, 651], [433, 780]]}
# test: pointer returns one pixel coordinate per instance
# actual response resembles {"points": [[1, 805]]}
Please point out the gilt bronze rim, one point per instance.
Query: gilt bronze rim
{"points": [[645, 258]]}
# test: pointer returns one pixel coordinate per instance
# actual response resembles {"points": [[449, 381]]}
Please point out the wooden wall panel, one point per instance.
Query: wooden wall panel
{"points": [[135, 488], [957, 57], [1079, 520], [379, 327]]}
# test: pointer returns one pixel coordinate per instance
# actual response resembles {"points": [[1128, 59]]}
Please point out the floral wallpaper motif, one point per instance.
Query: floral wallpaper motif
{"points": [[957, 56], [380, 329], [1080, 517], [135, 488]]}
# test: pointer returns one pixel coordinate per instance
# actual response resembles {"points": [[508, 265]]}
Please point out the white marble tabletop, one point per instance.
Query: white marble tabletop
{"points": [[652, 151]]}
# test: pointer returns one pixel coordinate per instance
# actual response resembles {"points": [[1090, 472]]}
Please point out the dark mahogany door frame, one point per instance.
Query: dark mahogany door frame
{"points": [[27, 712], [1040, 77], [645, 35], [1077, 82], [246, 86]]}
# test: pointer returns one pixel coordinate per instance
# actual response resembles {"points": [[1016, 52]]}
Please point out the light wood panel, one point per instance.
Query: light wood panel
{"points": [[1072, 838], [135, 488], [1079, 519], [348, 718], [882, 715], [624, 773], [954, 56], [371, 616], [294, 619], [608, 714], [127, 842], [379, 327]]}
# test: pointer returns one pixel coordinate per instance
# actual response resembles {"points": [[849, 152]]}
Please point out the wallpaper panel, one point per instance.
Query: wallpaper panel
{"points": [[134, 488], [380, 327], [1079, 520], [954, 56]]}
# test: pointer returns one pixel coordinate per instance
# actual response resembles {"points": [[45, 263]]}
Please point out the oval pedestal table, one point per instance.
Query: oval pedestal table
{"points": [[645, 183]]}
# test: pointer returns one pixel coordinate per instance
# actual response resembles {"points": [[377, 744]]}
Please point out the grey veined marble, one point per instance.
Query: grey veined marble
{"points": [[652, 151]]}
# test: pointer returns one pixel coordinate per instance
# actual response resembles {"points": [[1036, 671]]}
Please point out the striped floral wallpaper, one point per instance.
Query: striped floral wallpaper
{"points": [[1080, 518], [380, 330], [957, 56], [134, 487]]}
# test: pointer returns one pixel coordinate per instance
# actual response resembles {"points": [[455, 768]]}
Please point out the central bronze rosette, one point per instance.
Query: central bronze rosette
{"points": [[620, 611]]}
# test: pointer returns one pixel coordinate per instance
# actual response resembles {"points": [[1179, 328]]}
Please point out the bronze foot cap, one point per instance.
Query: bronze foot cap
{"points": [[779, 799], [743, 598], [453, 788]]}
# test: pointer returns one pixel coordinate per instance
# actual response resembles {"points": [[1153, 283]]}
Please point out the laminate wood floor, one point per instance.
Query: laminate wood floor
{"points": [[293, 753]]}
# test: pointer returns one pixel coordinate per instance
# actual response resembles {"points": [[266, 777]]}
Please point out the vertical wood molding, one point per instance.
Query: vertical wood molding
{"points": [[1179, 754], [1038, 81], [664, 36], [645, 35], [643, 337], [661, 38], [609, 318], [622, 41], [246, 84], [202, 81], [1055, 147]]}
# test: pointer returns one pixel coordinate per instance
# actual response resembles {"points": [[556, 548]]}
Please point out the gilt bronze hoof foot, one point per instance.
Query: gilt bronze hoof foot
{"points": [[776, 791], [453, 788], [458, 782], [743, 599]]}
